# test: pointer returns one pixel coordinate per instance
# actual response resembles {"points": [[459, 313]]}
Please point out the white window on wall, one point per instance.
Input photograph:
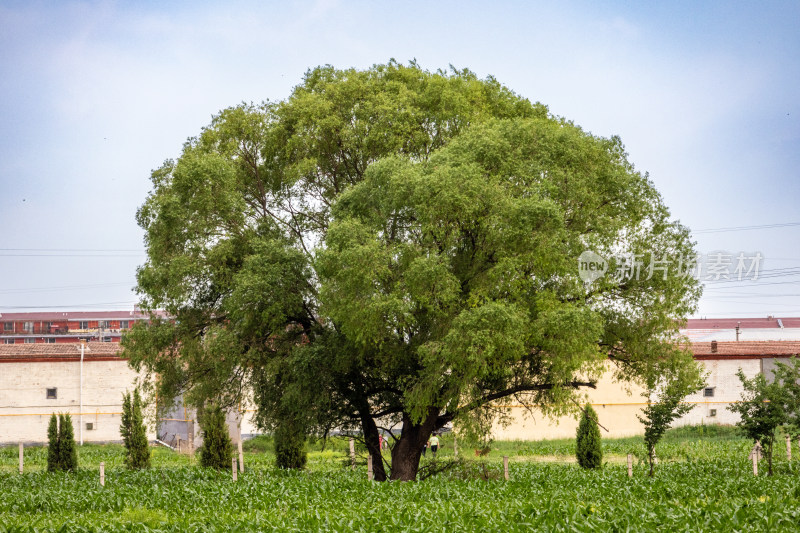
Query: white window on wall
{"points": [[8, 341], [8, 327], [50, 340], [27, 327], [123, 324], [83, 324], [30, 340]]}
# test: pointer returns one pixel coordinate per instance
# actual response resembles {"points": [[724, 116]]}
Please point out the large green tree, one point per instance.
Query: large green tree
{"points": [[395, 246]]}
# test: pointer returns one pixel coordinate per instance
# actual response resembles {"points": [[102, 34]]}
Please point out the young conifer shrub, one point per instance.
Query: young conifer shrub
{"points": [[67, 450], [125, 421], [290, 451], [589, 450], [217, 450], [53, 454], [137, 455]]}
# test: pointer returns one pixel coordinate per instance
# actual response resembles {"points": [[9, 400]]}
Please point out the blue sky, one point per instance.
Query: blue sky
{"points": [[94, 95]]}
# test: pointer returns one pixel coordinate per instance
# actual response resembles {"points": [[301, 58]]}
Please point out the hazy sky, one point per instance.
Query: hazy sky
{"points": [[94, 95]]}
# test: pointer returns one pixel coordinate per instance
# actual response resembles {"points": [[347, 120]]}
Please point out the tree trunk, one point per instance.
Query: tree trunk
{"points": [[407, 451], [769, 455], [371, 439], [651, 458]]}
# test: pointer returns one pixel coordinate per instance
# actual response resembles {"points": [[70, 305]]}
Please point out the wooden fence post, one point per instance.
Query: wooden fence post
{"points": [[102, 474], [20, 458], [788, 448], [352, 453], [234, 470], [505, 467], [754, 455], [190, 436], [630, 465], [241, 456], [178, 443], [370, 475]]}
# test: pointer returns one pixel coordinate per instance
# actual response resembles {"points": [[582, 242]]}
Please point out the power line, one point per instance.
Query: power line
{"points": [[65, 287], [746, 228], [73, 255], [71, 250], [70, 306]]}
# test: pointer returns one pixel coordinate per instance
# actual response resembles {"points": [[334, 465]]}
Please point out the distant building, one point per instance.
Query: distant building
{"points": [[722, 361], [37, 380], [761, 342], [69, 326]]}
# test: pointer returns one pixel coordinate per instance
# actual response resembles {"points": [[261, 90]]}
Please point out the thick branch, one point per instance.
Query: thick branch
{"points": [[448, 417]]}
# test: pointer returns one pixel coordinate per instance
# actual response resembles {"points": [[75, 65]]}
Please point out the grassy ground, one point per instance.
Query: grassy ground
{"points": [[703, 483]]}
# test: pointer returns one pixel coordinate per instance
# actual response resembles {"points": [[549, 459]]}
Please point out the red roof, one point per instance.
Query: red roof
{"points": [[745, 323], [69, 351], [54, 316], [747, 348]]}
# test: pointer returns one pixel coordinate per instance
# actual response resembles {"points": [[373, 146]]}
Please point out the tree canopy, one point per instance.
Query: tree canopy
{"points": [[394, 246]]}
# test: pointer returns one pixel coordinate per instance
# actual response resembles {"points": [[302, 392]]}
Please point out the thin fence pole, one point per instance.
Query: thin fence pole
{"points": [[455, 447], [233, 468], [755, 463], [370, 475], [505, 467], [102, 474], [630, 465], [190, 436], [239, 444], [352, 453], [788, 448], [21, 459]]}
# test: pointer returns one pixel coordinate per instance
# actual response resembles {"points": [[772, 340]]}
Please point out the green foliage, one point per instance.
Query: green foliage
{"points": [[134, 432], [217, 449], [588, 448], [448, 215], [788, 375], [53, 453], [67, 448], [668, 382], [125, 420], [762, 409], [290, 449]]}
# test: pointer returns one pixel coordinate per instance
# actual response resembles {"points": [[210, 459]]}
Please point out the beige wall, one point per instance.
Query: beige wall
{"points": [[727, 389], [25, 410], [616, 411]]}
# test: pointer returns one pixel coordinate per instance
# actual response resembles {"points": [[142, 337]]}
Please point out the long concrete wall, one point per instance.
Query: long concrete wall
{"points": [[25, 408], [616, 410]]}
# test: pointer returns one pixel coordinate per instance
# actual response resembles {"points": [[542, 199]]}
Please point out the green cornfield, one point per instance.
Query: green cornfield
{"points": [[703, 482]]}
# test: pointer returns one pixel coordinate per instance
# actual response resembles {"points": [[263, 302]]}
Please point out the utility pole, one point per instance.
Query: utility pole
{"points": [[80, 413]]}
